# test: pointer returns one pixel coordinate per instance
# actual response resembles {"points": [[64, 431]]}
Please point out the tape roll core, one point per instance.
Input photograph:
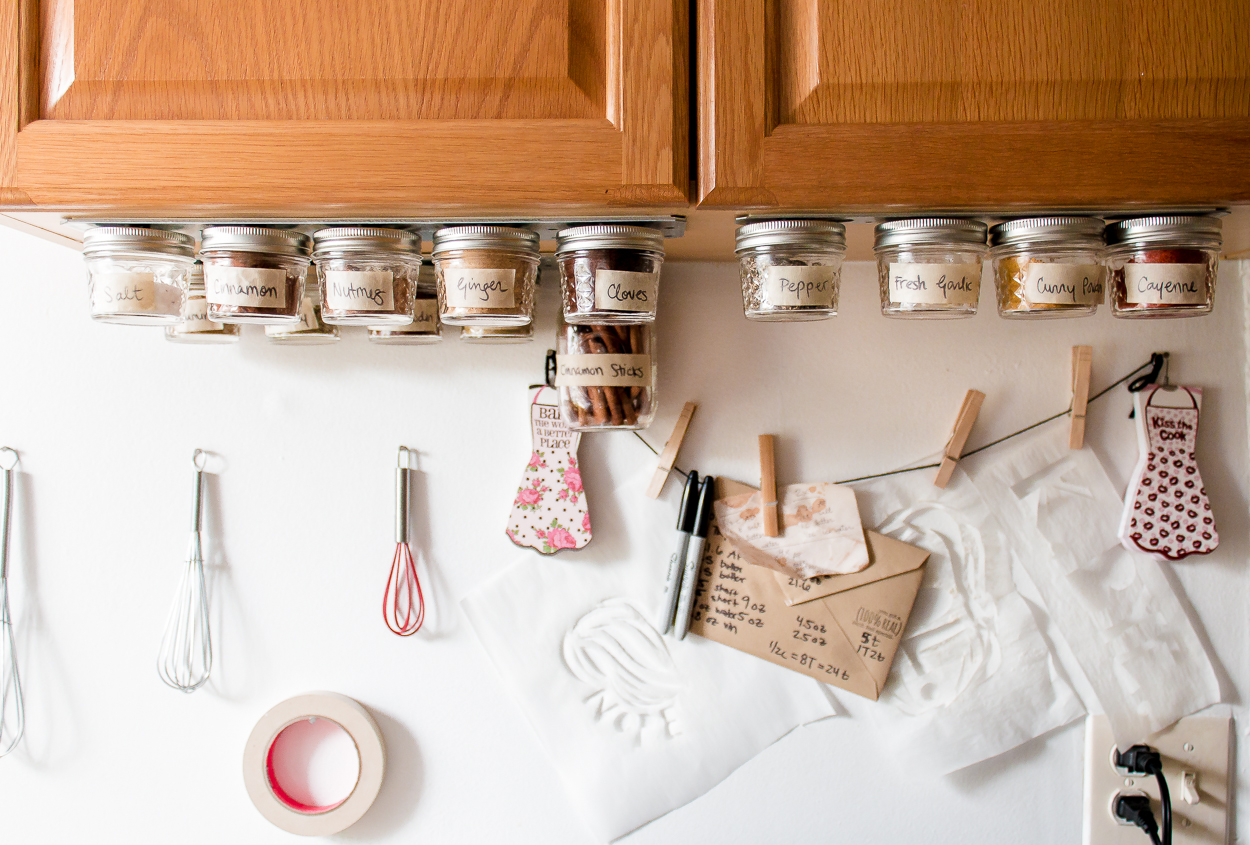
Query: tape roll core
{"points": [[275, 786]]}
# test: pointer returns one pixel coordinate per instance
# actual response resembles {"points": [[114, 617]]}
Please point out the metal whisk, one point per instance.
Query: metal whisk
{"points": [[12, 714], [403, 605], [186, 655]]}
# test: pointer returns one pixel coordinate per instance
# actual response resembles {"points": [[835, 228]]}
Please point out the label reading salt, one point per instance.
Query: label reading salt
{"points": [[1064, 284], [122, 292], [803, 287], [603, 370], [247, 287], [624, 290], [1165, 284], [359, 290], [935, 284], [480, 288]]}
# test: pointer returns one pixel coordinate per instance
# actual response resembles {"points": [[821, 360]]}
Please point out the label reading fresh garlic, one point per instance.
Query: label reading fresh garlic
{"points": [[121, 292], [935, 284], [359, 290], [195, 317], [1063, 284], [623, 290], [603, 370], [801, 287], [246, 287], [1165, 284], [475, 288]]}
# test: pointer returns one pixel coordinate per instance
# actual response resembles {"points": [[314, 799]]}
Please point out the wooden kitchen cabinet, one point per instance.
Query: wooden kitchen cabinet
{"points": [[895, 105], [388, 106]]}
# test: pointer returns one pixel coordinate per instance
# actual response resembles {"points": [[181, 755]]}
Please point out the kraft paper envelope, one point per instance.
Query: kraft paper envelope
{"points": [[798, 591], [847, 637]]}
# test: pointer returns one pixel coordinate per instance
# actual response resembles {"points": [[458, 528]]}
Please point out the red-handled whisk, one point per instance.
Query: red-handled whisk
{"points": [[403, 606]]}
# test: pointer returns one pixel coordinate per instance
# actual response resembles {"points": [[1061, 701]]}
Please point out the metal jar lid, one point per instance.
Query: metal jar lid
{"points": [[817, 234], [1049, 231], [137, 239], [485, 237], [609, 236], [287, 242], [366, 239], [195, 280], [1196, 231], [930, 231]]}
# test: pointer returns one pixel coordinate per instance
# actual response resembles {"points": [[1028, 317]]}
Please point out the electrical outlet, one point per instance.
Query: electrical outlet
{"points": [[1196, 753]]}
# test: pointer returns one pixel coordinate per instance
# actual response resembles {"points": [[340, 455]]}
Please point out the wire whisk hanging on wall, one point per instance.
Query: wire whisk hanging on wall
{"points": [[186, 657], [12, 712], [403, 604]]}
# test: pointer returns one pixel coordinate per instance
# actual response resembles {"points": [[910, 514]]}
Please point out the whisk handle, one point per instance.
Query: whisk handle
{"points": [[197, 503], [5, 522], [401, 505]]}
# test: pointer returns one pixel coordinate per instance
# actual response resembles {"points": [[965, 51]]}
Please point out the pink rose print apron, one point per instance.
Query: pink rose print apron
{"points": [[1166, 510], [549, 512]]}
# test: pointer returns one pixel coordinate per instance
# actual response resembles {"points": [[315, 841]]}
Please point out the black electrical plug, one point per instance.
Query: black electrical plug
{"points": [[1139, 760], [1144, 760], [1135, 809]]}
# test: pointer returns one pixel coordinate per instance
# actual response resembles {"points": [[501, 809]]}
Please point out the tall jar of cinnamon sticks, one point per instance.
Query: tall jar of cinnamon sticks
{"points": [[606, 375]]}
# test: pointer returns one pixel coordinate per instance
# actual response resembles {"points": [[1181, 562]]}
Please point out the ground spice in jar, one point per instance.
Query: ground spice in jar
{"points": [[254, 274], [136, 275], [485, 275], [610, 273], [1048, 267], [606, 376], [368, 275], [1163, 266], [929, 268], [791, 270]]}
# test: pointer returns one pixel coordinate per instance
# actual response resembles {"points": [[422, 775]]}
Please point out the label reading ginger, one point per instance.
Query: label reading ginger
{"points": [[480, 288]]}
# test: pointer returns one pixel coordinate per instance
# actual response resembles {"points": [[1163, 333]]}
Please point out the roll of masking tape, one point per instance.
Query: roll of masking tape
{"points": [[289, 813]]}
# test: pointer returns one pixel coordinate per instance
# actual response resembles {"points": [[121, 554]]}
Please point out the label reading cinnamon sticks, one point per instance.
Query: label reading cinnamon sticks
{"points": [[801, 287], [935, 284], [1064, 284], [249, 287], [1165, 284], [623, 290], [603, 370], [359, 290], [479, 288], [121, 292]]}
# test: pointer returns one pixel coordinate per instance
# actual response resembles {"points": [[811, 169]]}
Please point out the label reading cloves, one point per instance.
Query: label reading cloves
{"points": [[247, 287], [121, 292], [935, 284], [477, 288], [1165, 284], [800, 287], [624, 290], [603, 370], [1064, 284], [359, 290]]}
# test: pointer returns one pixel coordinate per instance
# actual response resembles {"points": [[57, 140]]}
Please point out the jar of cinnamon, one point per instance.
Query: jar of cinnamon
{"points": [[308, 329], [485, 275], [791, 269], [368, 275], [137, 276], [1048, 267], [930, 267], [195, 327], [425, 327], [1163, 266], [254, 274], [606, 375], [610, 273]]}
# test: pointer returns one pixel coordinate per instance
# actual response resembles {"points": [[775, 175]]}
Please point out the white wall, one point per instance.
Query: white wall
{"points": [[301, 537]]}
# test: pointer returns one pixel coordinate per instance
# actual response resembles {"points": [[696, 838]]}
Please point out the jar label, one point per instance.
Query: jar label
{"points": [[798, 286], [480, 288], [603, 370], [247, 287], [309, 321], [359, 290], [424, 317], [935, 284], [1064, 284], [121, 292], [1165, 284], [623, 290], [195, 317]]}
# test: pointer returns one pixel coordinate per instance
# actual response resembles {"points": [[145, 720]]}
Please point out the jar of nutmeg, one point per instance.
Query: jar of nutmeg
{"points": [[368, 275], [485, 275], [605, 373]]}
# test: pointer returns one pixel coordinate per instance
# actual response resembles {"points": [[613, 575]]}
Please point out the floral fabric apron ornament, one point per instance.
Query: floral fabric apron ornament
{"points": [[549, 512]]}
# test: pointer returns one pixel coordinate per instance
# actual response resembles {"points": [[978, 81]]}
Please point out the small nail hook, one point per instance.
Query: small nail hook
{"points": [[200, 459], [8, 458], [404, 460]]}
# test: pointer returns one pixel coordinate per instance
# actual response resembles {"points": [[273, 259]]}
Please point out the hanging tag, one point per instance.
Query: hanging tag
{"points": [[549, 512]]}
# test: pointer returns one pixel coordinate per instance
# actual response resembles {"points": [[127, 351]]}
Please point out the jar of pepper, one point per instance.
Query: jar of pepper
{"points": [[1163, 266], [790, 269], [606, 375], [930, 267], [610, 273], [1048, 267], [254, 274], [485, 275]]}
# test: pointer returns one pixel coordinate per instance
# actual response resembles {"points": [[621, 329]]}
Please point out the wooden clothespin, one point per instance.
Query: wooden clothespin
{"points": [[669, 456], [963, 427], [768, 486], [1082, 359]]}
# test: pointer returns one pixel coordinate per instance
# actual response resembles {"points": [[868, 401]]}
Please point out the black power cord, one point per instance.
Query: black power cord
{"points": [[1135, 809]]}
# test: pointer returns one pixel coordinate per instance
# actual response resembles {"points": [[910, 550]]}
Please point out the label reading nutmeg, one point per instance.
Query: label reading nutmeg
{"points": [[624, 290], [247, 287], [800, 287], [935, 284], [359, 290], [121, 292], [480, 288], [1064, 284], [603, 370], [1165, 284]]}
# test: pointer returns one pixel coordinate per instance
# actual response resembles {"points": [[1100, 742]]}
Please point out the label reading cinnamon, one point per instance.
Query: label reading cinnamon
{"points": [[1165, 284], [121, 292], [1064, 284], [800, 287], [935, 284], [195, 317], [359, 290], [623, 290], [477, 288], [247, 287], [603, 370]]}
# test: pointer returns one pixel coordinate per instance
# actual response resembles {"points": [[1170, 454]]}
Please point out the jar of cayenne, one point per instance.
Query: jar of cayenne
{"points": [[485, 275], [137, 276], [930, 267], [790, 269], [1163, 266], [425, 326], [610, 273], [254, 274], [368, 275], [195, 327], [308, 329], [606, 375], [1048, 267]]}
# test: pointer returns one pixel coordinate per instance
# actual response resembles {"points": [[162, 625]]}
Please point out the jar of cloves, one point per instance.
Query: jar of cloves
{"points": [[497, 334], [930, 267], [606, 375], [610, 273], [485, 275], [1048, 267], [254, 274], [195, 327], [309, 329], [137, 276], [1163, 266], [368, 275], [425, 327], [790, 269]]}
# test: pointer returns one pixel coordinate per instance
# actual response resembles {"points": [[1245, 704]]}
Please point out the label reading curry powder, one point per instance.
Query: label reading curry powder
{"points": [[1063, 284], [603, 370]]}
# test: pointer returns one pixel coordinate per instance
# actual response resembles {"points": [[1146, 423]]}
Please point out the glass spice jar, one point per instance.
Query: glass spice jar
{"points": [[308, 329], [610, 273], [930, 267], [254, 274], [606, 375], [497, 334], [425, 327], [368, 275], [1163, 266], [1048, 267], [485, 275], [195, 327], [791, 269], [137, 276]]}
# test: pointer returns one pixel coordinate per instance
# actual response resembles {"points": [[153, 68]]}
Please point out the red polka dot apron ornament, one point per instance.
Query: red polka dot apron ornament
{"points": [[1166, 510], [549, 511]]}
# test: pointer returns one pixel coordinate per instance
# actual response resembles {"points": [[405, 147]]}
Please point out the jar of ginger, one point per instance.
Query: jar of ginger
{"points": [[485, 275], [1048, 267]]}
